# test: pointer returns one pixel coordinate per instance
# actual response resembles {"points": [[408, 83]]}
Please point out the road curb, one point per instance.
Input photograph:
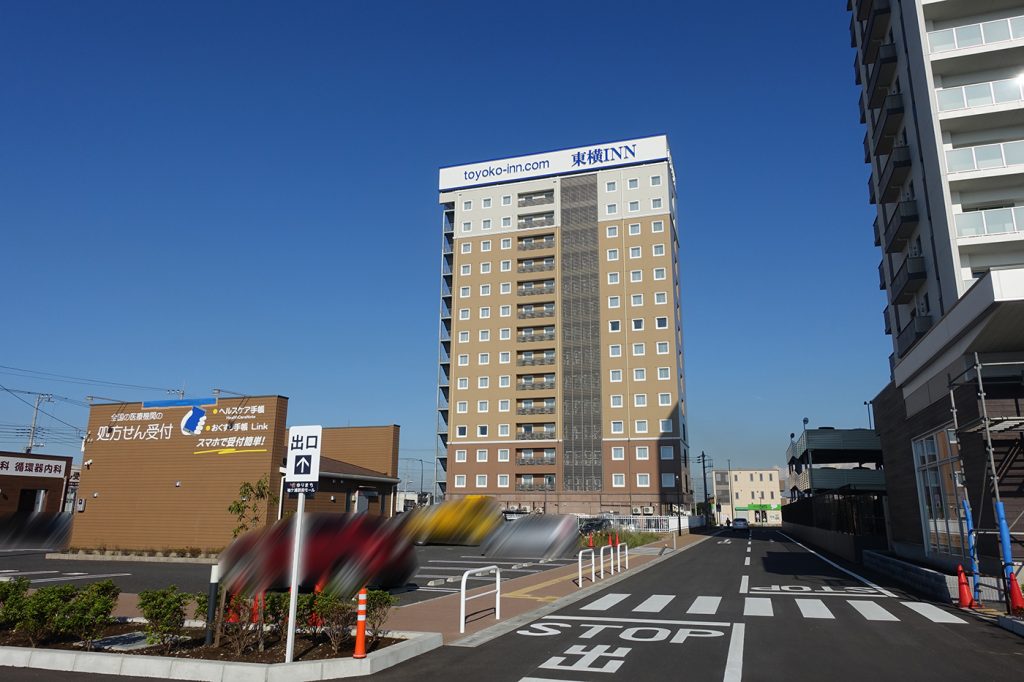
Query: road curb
{"points": [[209, 561], [495, 631], [1014, 625]]}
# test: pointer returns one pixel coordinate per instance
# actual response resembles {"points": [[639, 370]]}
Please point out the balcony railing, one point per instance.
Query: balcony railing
{"points": [[901, 225], [535, 291], [881, 275], [537, 200], [539, 267], [888, 322], [994, 221], [535, 386], [542, 336], [889, 118], [535, 487], [979, 95], [895, 171], [532, 314], [535, 461], [535, 410], [539, 244], [908, 279], [985, 157], [914, 330], [875, 29], [533, 362], [976, 35], [881, 75], [535, 435], [544, 220]]}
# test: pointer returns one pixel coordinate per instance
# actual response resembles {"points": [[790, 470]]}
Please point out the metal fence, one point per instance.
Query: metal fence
{"points": [[652, 524], [851, 514]]}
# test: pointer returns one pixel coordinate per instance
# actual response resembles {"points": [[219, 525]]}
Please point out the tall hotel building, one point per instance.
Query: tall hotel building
{"points": [[943, 101], [561, 362]]}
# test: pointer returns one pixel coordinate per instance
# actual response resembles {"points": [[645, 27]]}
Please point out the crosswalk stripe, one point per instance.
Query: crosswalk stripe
{"points": [[870, 610], [932, 613], [655, 603], [605, 602], [757, 606], [704, 606], [814, 608]]}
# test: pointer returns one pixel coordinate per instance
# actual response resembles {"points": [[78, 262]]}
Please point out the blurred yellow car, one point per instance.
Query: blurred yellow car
{"points": [[467, 521]]}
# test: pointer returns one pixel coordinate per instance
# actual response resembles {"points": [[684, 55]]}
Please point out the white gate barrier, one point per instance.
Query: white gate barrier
{"points": [[611, 557], [496, 592], [618, 553], [579, 561]]}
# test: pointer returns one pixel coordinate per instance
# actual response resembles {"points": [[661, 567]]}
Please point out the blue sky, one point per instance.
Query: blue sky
{"points": [[243, 195]]}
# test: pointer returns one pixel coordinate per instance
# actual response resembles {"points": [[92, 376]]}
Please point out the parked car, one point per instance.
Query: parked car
{"points": [[594, 526]]}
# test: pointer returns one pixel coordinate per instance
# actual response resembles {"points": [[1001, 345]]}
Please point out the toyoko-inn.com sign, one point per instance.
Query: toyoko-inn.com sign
{"points": [[573, 160]]}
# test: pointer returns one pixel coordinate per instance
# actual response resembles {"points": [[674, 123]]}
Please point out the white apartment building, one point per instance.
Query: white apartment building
{"points": [[751, 494], [943, 102]]}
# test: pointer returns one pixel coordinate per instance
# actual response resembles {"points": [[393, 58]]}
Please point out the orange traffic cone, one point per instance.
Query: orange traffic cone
{"points": [[590, 540], [360, 648], [966, 601], [617, 538], [1016, 598], [609, 539]]}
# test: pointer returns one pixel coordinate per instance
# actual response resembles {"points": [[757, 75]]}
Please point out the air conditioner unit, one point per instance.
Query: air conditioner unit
{"points": [[648, 510], [636, 510], [524, 508]]}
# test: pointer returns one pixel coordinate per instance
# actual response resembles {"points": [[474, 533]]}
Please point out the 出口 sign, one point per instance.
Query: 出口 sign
{"points": [[24, 466]]}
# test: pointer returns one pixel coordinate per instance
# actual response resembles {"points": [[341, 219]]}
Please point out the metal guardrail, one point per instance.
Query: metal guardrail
{"points": [[496, 592]]}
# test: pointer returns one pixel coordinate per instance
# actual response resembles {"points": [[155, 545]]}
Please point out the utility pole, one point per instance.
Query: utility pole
{"points": [[41, 397], [704, 478]]}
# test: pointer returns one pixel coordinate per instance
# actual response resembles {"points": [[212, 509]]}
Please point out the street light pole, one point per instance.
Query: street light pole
{"points": [[871, 425]]}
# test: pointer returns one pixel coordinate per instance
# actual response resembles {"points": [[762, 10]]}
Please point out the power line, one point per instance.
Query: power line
{"points": [[72, 379], [55, 418]]}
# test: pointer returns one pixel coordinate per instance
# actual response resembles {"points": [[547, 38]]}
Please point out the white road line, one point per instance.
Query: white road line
{"points": [[543, 679], [867, 582], [734, 660], [932, 612], [655, 603], [748, 549], [746, 561], [30, 572], [649, 621], [757, 606], [704, 606], [814, 608], [744, 584], [77, 573], [605, 602], [871, 611], [81, 577], [27, 549]]}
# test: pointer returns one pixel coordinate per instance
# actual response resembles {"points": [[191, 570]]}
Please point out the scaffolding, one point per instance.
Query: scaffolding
{"points": [[993, 474]]}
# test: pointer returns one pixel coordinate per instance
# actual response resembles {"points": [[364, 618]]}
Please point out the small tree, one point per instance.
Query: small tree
{"points": [[164, 611], [253, 500], [44, 614], [89, 612], [378, 606], [337, 616]]}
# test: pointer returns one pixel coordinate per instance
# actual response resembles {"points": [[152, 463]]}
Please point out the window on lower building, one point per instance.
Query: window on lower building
{"points": [[618, 453], [643, 480], [460, 480], [481, 480], [668, 481], [618, 480], [460, 431], [460, 455], [481, 455], [503, 455], [502, 480], [616, 427], [666, 452], [643, 452]]}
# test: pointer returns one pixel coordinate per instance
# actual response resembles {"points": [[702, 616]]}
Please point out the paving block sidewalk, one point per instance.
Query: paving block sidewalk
{"points": [[519, 596]]}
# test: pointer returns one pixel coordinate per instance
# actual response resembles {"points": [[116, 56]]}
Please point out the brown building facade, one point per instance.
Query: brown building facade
{"points": [[33, 483]]}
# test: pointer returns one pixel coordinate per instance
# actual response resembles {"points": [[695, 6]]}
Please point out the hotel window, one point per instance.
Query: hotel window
{"points": [[485, 224], [506, 221], [460, 480], [658, 249], [638, 349], [633, 206], [506, 200], [655, 180], [665, 425], [505, 311], [656, 202], [483, 382], [661, 323], [503, 455], [485, 289], [616, 400], [640, 426], [633, 183], [460, 431], [611, 209], [613, 254], [504, 357], [667, 452], [462, 407], [613, 231], [634, 252], [467, 226], [504, 333], [636, 300], [660, 298], [614, 325], [642, 480], [464, 360], [659, 273], [503, 430], [658, 226], [481, 455], [505, 266], [460, 455], [502, 480], [485, 202], [613, 278], [506, 243], [464, 292], [643, 452], [467, 247], [467, 205], [613, 301], [506, 287], [639, 400], [485, 334], [482, 406], [485, 245], [616, 427], [504, 381], [485, 268], [663, 373], [636, 275], [639, 374], [662, 347], [618, 480], [466, 269], [485, 312], [504, 406], [614, 350], [463, 383], [638, 324], [668, 480], [664, 399], [463, 337], [481, 480], [634, 228], [609, 186], [618, 453], [481, 431], [615, 375]]}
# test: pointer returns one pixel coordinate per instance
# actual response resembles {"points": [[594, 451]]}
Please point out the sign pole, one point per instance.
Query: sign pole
{"points": [[293, 601]]}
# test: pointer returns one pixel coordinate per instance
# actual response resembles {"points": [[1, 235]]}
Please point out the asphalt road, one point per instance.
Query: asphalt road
{"points": [[742, 605]]}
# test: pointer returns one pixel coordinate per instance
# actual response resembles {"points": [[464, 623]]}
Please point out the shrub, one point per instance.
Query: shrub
{"points": [[89, 611], [13, 594], [244, 632], [164, 611], [305, 615], [378, 606], [44, 614], [337, 616], [275, 610]]}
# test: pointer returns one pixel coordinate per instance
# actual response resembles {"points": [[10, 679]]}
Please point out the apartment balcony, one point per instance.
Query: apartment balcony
{"points": [[829, 478], [538, 199], [881, 276], [861, 8], [901, 225], [535, 291], [543, 336], [908, 280], [535, 487], [537, 244], [871, 189], [980, 95], [535, 461], [894, 174], [878, 235], [539, 267], [856, 68], [535, 435], [527, 222], [989, 33], [911, 333], [867, 147], [890, 117], [881, 75], [535, 410], [534, 362], [992, 222], [888, 322], [534, 314], [987, 157], [875, 30], [535, 386]]}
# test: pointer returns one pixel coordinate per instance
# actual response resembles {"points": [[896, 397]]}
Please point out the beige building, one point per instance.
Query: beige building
{"points": [[561, 367], [752, 494]]}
